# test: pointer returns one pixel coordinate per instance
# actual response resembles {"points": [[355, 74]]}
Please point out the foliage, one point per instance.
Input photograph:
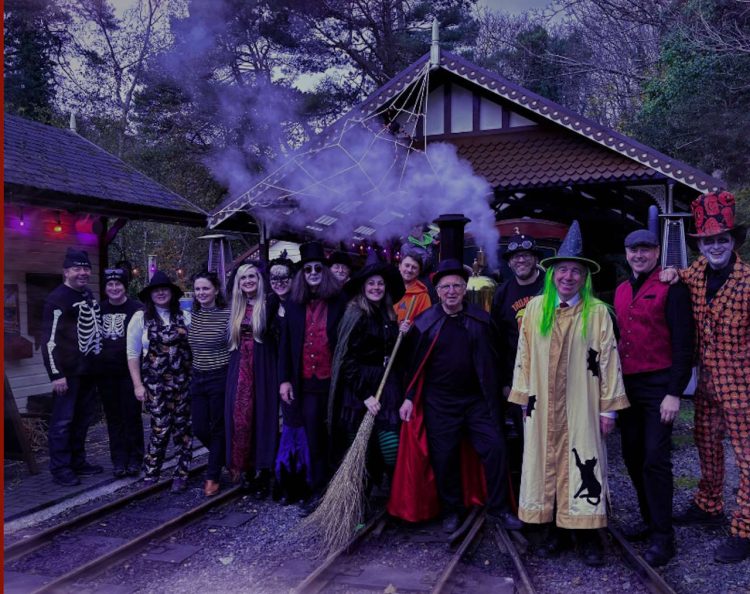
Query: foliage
{"points": [[106, 57], [34, 33], [531, 57], [695, 108], [203, 95], [743, 217], [373, 40]]}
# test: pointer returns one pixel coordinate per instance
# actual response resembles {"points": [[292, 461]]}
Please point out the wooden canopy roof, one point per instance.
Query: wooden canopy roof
{"points": [[541, 159], [56, 168]]}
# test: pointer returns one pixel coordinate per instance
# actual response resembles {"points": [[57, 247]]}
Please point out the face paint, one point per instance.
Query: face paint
{"points": [[717, 249]]}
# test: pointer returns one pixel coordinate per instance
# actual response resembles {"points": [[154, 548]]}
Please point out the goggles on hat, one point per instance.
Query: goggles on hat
{"points": [[526, 244], [114, 272]]}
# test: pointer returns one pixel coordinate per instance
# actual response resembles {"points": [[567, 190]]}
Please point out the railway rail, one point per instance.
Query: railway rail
{"points": [[331, 573], [92, 567], [324, 576], [27, 545]]}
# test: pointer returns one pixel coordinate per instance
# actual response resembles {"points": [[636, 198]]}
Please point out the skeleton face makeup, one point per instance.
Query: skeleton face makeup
{"points": [[717, 249]]}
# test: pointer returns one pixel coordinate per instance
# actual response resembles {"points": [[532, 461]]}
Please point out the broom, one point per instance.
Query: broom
{"points": [[342, 507]]}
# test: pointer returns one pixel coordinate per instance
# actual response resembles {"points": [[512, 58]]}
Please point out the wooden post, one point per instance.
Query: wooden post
{"points": [[18, 432]]}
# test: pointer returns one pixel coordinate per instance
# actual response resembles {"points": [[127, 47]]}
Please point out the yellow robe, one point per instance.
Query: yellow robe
{"points": [[565, 381]]}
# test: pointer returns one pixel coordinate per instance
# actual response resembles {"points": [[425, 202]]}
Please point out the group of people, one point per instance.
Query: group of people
{"points": [[275, 379]]}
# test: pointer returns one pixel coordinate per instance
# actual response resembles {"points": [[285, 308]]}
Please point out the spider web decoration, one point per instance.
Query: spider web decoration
{"points": [[366, 178]]}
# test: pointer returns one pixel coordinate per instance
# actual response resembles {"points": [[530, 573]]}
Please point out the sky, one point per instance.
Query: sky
{"points": [[514, 6]]}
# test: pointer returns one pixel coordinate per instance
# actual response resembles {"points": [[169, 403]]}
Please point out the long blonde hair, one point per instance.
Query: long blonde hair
{"points": [[239, 304]]}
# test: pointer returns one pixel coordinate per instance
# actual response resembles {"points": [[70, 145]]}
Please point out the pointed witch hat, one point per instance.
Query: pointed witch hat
{"points": [[572, 250]]}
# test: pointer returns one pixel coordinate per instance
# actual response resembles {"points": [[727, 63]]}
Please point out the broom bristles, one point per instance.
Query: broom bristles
{"points": [[342, 508]]}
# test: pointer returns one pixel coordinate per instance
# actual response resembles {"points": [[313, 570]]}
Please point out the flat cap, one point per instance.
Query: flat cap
{"points": [[641, 237]]}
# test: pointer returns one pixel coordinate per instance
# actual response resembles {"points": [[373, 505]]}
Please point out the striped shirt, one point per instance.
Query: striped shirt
{"points": [[209, 338]]}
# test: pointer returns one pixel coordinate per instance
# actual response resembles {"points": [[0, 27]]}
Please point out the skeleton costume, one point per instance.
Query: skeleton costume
{"points": [[71, 346], [121, 409]]}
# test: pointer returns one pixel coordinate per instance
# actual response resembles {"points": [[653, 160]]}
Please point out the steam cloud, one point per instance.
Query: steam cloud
{"points": [[363, 183], [367, 184]]}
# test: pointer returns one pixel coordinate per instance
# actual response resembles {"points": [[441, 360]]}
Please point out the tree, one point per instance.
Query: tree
{"points": [[527, 52], [695, 108], [107, 56], [364, 43], [599, 52], [34, 33]]}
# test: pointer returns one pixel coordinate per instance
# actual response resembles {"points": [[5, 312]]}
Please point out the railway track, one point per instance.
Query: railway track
{"points": [[91, 567], [27, 545], [326, 576], [331, 574], [447, 573], [648, 577]]}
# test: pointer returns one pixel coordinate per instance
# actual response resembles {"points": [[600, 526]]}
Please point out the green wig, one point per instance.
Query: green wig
{"points": [[549, 302]]}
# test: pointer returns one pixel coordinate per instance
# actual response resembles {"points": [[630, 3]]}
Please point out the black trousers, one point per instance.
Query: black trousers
{"points": [[647, 449], [124, 423], [72, 414], [447, 419], [314, 408], [207, 391]]}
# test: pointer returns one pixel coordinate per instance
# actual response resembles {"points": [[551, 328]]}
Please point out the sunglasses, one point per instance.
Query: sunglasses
{"points": [[310, 268], [277, 280], [524, 245]]}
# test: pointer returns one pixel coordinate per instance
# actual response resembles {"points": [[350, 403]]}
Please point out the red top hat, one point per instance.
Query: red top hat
{"points": [[714, 214]]}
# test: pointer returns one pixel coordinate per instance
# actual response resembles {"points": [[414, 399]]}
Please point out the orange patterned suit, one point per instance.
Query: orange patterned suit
{"points": [[722, 399]]}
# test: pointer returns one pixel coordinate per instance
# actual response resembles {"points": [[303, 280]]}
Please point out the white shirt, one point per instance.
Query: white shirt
{"points": [[137, 344]]}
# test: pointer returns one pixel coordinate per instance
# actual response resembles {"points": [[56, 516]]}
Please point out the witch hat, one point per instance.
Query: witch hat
{"points": [[571, 249]]}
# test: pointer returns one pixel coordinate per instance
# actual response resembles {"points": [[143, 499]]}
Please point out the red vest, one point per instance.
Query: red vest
{"points": [[645, 343], [316, 354]]}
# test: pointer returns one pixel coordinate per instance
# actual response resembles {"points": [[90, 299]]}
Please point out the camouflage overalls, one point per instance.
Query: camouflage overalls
{"points": [[166, 375]]}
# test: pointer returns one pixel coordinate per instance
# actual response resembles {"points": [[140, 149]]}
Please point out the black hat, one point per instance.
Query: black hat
{"points": [[572, 250], [449, 266], [160, 279], [340, 258], [521, 243], [312, 251], [394, 284], [74, 257], [117, 274]]}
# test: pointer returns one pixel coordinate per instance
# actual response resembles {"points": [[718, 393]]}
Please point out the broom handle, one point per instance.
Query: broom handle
{"points": [[387, 371]]}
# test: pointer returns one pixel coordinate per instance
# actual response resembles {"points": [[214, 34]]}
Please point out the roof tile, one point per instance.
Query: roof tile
{"points": [[59, 160], [542, 158]]}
